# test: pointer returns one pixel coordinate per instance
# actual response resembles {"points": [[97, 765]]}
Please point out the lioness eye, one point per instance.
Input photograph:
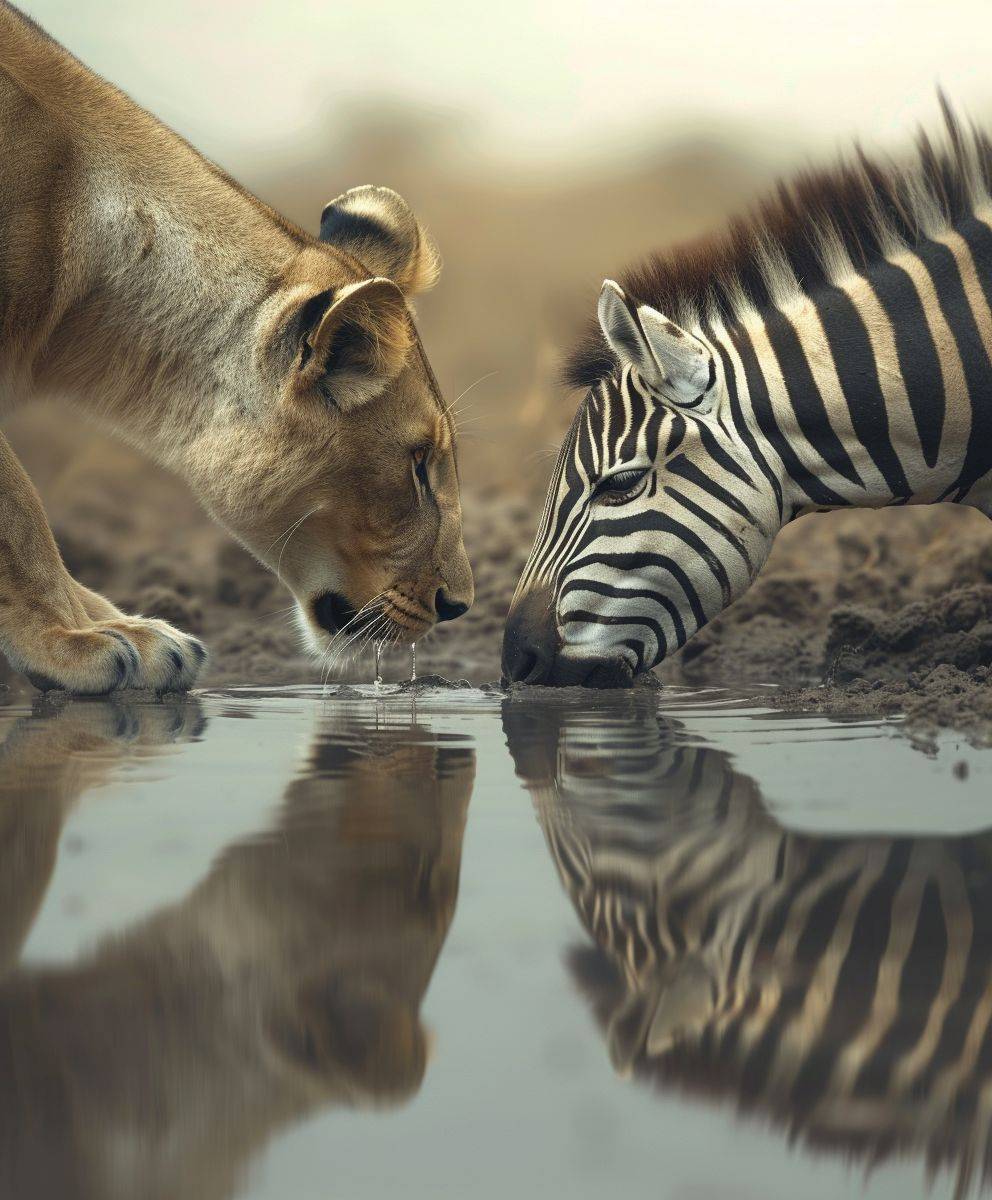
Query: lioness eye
{"points": [[420, 456], [616, 487]]}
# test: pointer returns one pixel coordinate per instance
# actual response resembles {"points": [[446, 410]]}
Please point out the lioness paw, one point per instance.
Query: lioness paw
{"points": [[88, 662], [169, 660], [126, 652]]}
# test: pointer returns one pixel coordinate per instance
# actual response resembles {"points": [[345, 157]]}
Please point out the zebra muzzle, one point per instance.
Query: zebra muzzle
{"points": [[530, 640], [532, 651]]}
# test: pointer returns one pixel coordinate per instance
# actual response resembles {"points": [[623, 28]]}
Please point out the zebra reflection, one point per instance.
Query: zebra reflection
{"points": [[839, 985]]}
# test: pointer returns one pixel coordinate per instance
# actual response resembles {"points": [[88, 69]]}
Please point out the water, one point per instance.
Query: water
{"points": [[269, 943]]}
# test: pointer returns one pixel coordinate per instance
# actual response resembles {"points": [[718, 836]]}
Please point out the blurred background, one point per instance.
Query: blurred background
{"points": [[544, 145]]}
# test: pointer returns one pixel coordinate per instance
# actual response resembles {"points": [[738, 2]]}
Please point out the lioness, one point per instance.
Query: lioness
{"points": [[281, 375]]}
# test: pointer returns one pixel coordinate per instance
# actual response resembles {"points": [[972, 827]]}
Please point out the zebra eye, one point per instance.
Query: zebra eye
{"points": [[615, 488]]}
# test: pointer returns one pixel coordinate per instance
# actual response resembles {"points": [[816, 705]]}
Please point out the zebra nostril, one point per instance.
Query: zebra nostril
{"points": [[527, 666], [524, 662], [523, 665]]}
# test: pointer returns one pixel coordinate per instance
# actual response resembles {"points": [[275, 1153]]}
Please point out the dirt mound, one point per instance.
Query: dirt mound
{"points": [[867, 643], [929, 659], [866, 613]]}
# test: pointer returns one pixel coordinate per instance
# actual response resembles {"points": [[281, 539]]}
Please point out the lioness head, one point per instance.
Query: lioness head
{"points": [[340, 472]]}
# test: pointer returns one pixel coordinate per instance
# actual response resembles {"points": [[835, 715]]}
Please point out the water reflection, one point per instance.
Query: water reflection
{"points": [[839, 986], [48, 759], [290, 978]]}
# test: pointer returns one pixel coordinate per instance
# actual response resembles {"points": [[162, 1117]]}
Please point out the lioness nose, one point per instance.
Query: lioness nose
{"points": [[448, 610]]}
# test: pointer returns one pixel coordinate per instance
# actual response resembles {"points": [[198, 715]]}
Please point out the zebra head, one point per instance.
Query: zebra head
{"points": [[656, 518]]}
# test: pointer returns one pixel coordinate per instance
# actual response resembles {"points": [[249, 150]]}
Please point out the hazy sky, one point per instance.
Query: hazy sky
{"points": [[540, 81]]}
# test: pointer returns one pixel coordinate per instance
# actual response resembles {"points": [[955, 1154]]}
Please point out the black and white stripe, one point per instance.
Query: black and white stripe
{"points": [[858, 375], [840, 986], [653, 570]]}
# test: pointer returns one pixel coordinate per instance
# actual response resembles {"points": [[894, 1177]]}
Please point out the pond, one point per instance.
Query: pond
{"points": [[431, 942]]}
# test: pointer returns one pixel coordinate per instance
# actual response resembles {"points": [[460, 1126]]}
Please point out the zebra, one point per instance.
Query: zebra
{"points": [[834, 348], [840, 988]]}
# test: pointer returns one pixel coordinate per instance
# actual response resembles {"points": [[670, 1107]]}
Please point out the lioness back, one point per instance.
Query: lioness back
{"points": [[279, 373]]}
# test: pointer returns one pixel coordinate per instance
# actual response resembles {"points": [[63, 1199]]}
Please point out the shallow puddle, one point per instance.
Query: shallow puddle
{"points": [[273, 943]]}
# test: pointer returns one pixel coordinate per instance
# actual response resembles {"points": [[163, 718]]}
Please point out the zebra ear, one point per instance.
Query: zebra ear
{"points": [[675, 1007], [684, 1007], [670, 361]]}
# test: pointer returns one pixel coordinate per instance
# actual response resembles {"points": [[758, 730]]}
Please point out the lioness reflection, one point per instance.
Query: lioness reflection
{"points": [[840, 986], [290, 978]]}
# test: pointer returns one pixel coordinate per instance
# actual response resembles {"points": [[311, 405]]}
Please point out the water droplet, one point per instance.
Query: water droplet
{"points": [[378, 671], [413, 662]]}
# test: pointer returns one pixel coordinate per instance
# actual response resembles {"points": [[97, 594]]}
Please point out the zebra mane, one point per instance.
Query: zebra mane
{"points": [[819, 227]]}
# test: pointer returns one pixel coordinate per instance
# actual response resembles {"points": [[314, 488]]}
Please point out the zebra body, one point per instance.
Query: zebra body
{"points": [[842, 361], [841, 986]]}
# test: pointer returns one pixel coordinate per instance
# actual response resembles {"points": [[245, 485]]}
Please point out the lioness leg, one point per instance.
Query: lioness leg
{"points": [[62, 635]]}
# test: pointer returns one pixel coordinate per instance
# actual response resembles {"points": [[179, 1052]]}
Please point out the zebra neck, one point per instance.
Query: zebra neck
{"points": [[878, 389]]}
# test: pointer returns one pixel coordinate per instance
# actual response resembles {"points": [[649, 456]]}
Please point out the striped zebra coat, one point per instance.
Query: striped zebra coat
{"points": [[840, 987], [833, 349]]}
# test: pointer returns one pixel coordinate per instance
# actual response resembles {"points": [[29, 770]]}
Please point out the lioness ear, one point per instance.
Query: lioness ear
{"points": [[352, 343], [376, 226], [668, 358]]}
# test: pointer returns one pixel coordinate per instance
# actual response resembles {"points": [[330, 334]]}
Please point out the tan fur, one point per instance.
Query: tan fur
{"points": [[288, 980], [139, 281]]}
